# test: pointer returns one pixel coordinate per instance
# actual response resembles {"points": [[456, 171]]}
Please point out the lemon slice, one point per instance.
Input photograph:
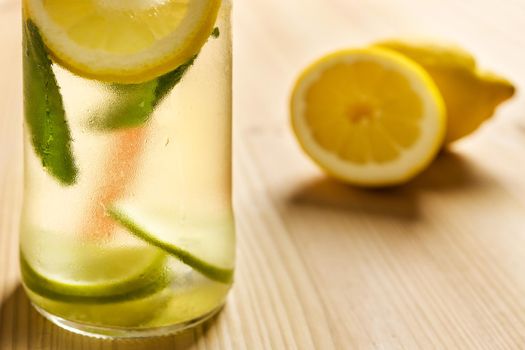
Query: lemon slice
{"points": [[123, 41], [369, 117]]}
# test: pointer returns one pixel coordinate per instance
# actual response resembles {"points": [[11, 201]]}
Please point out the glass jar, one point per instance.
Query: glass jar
{"points": [[127, 228]]}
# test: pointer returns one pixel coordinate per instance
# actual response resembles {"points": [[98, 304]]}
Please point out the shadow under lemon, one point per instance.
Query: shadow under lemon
{"points": [[450, 174], [22, 327]]}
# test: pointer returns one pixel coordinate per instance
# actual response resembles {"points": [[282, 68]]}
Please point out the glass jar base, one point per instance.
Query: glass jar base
{"points": [[124, 333]]}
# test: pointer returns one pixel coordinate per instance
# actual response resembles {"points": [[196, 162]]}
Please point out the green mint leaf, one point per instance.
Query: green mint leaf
{"points": [[44, 110], [168, 81], [134, 104]]}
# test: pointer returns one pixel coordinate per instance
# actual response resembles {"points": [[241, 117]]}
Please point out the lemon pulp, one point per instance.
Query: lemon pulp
{"points": [[368, 116], [123, 41]]}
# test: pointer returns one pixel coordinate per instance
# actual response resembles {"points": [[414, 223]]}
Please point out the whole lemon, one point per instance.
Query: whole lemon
{"points": [[471, 96]]}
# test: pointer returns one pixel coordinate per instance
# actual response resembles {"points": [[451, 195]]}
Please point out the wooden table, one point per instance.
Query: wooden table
{"points": [[436, 264]]}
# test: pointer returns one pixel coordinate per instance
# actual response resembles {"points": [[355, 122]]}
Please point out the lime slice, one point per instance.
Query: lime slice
{"points": [[90, 273], [191, 302], [201, 248], [134, 313]]}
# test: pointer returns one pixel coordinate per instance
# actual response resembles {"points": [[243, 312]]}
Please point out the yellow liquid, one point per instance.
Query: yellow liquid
{"points": [[173, 173]]}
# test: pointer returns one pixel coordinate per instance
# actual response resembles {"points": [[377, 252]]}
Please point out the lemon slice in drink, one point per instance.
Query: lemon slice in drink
{"points": [[69, 271], [369, 117], [123, 41]]}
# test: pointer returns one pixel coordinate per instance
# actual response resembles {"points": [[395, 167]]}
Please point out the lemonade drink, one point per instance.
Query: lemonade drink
{"points": [[127, 228]]}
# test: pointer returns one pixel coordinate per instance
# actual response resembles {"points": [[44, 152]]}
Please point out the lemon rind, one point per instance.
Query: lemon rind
{"points": [[174, 50], [411, 161]]}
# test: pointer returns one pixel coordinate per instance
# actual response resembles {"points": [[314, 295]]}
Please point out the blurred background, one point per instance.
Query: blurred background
{"points": [[437, 263], [290, 34]]}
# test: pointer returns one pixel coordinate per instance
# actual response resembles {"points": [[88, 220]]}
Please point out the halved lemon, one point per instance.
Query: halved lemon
{"points": [[123, 41], [369, 117]]}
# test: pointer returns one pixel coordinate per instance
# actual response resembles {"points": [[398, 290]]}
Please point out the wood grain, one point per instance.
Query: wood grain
{"points": [[436, 264]]}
